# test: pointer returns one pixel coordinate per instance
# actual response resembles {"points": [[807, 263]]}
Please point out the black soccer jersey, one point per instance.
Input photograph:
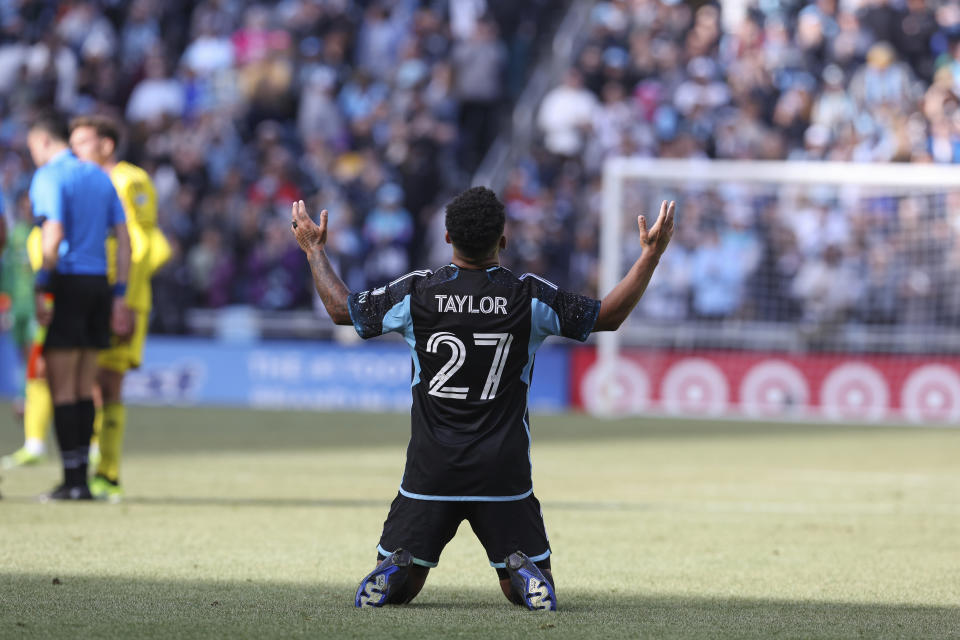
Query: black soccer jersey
{"points": [[473, 334]]}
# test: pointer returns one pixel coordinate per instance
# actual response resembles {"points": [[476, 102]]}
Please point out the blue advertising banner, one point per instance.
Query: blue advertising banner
{"points": [[301, 375]]}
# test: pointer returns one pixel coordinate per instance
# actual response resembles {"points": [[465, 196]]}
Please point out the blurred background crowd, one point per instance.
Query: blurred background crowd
{"points": [[831, 80], [380, 111], [377, 111]]}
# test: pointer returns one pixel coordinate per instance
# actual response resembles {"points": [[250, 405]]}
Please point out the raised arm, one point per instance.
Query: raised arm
{"points": [[312, 238], [621, 300]]}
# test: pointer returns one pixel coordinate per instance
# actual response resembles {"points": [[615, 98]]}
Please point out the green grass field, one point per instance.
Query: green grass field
{"points": [[259, 525]]}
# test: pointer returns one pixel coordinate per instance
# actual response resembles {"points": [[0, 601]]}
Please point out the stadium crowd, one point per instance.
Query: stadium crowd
{"points": [[376, 110], [379, 111], [852, 81]]}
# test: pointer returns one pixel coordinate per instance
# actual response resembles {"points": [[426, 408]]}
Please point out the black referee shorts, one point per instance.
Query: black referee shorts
{"points": [[424, 527], [81, 313]]}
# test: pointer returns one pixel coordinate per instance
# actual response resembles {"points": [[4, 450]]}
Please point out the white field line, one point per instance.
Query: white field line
{"points": [[831, 476], [817, 476], [879, 507]]}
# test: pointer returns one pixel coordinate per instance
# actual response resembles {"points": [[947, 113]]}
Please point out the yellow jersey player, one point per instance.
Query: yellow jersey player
{"points": [[95, 139]]}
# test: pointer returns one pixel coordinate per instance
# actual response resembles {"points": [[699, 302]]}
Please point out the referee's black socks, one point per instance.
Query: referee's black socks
{"points": [[73, 424]]}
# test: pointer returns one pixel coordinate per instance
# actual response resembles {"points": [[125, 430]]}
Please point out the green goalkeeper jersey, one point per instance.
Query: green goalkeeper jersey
{"points": [[16, 278]]}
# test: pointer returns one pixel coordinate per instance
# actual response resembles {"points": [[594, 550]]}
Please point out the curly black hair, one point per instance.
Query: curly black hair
{"points": [[475, 220]]}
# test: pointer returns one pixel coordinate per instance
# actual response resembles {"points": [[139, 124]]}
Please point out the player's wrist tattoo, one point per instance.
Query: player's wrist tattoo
{"points": [[333, 292]]}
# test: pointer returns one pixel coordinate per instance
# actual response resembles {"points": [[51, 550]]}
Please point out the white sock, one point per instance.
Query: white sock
{"points": [[34, 446]]}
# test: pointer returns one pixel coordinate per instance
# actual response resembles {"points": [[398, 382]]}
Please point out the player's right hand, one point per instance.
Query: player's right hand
{"points": [[121, 320], [310, 236], [44, 307], [658, 237]]}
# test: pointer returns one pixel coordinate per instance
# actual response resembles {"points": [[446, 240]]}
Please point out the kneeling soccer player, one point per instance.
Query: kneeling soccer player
{"points": [[473, 328]]}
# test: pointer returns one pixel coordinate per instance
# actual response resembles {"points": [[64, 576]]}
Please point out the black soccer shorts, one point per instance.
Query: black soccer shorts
{"points": [[424, 527], [81, 313]]}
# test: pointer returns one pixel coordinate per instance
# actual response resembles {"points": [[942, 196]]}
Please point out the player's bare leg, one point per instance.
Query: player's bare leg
{"points": [[87, 374], [62, 369]]}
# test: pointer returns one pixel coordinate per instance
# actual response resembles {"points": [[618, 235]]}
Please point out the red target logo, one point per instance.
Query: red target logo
{"points": [[774, 388], [695, 386], [620, 387], [854, 391], [932, 394]]}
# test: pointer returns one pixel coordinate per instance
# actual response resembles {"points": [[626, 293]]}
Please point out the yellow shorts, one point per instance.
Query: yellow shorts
{"points": [[122, 356]]}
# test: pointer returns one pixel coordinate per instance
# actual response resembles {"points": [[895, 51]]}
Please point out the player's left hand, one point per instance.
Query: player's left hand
{"points": [[658, 237], [309, 235], [121, 320]]}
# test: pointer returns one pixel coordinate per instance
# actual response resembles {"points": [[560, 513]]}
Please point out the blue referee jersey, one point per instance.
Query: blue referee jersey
{"points": [[81, 197]]}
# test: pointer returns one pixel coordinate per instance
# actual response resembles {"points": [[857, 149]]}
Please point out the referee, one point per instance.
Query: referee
{"points": [[77, 207]]}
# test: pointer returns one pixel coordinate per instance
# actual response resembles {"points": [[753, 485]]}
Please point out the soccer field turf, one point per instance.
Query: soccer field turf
{"points": [[260, 524]]}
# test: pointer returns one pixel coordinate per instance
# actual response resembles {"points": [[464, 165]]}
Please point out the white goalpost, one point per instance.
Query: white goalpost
{"points": [[791, 290]]}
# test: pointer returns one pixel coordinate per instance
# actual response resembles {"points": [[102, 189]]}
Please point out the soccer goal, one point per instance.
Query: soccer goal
{"points": [[791, 290]]}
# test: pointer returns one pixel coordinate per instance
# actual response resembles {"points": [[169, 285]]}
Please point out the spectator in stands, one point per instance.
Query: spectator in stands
{"points": [[879, 300], [826, 289], [237, 105], [818, 222], [478, 68], [944, 141], [140, 34], [717, 278], [781, 260], [274, 272], [211, 51], [948, 292], [379, 40], [566, 115], [914, 35], [834, 108], [157, 96], [883, 83], [921, 252], [318, 117], [880, 19], [210, 269], [388, 232]]}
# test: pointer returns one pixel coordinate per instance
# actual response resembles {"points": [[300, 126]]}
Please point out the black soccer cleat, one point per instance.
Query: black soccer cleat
{"points": [[389, 576], [529, 584], [68, 492]]}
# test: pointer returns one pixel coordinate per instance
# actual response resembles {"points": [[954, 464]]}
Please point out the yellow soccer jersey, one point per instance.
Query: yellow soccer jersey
{"points": [[139, 200]]}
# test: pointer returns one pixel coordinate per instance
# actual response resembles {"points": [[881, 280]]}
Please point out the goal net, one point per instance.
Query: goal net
{"points": [[791, 290]]}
